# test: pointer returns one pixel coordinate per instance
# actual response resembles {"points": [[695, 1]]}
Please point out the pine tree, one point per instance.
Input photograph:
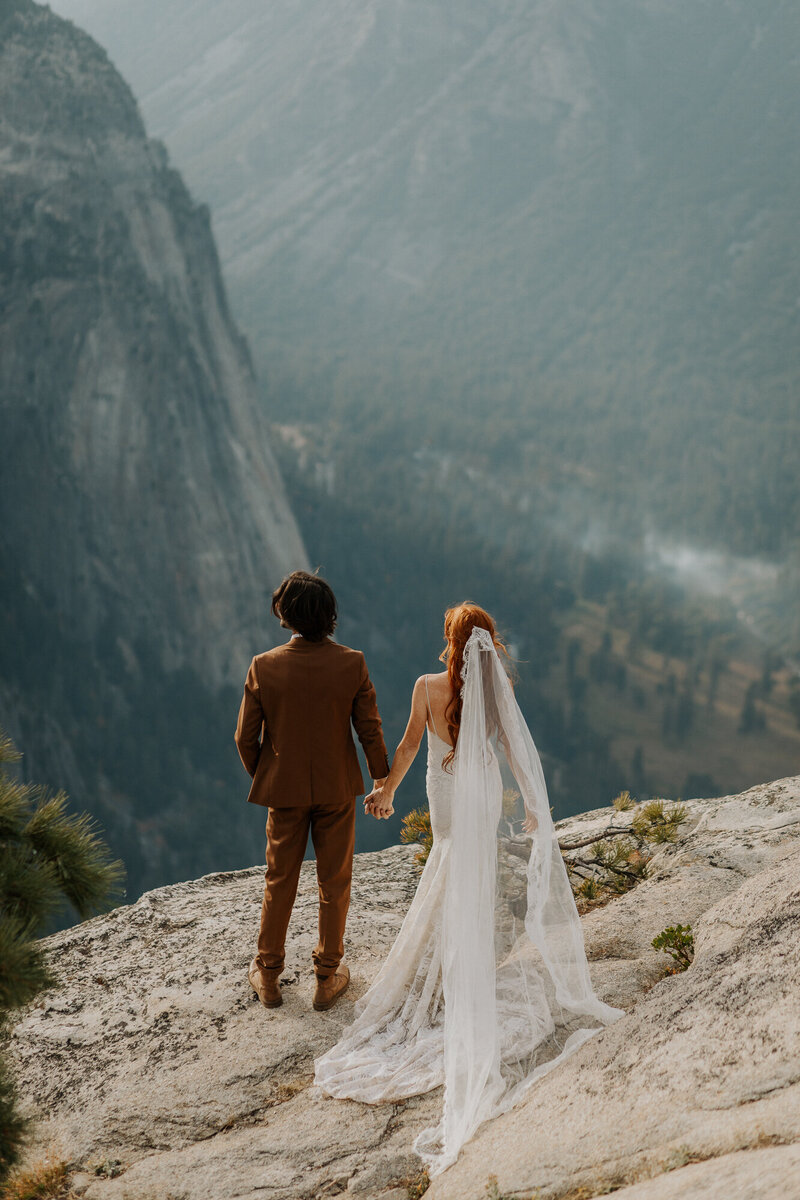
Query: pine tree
{"points": [[48, 857]]}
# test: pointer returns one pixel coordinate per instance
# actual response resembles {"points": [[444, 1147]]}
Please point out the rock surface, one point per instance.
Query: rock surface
{"points": [[143, 515], [153, 1070], [154, 1051]]}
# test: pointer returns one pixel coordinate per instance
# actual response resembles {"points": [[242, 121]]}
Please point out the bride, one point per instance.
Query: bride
{"points": [[486, 987]]}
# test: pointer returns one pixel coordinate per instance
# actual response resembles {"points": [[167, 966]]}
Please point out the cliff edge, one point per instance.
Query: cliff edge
{"points": [[157, 1074]]}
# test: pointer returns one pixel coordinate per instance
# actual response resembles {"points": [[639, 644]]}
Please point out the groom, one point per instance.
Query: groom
{"points": [[294, 738]]}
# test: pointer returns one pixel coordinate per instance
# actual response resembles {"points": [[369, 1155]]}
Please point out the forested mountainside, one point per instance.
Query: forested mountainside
{"points": [[564, 234], [628, 676], [143, 516]]}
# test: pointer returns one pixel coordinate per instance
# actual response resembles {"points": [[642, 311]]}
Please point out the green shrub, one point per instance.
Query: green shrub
{"points": [[416, 827], [678, 942], [48, 857], [613, 860]]}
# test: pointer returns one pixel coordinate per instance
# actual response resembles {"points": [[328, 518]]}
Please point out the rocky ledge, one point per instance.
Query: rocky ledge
{"points": [[154, 1071]]}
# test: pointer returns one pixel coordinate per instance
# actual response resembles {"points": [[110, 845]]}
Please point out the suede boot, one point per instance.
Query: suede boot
{"points": [[329, 990], [265, 985]]}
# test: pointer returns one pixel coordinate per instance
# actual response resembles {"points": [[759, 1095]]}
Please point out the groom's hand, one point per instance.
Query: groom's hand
{"points": [[378, 803]]}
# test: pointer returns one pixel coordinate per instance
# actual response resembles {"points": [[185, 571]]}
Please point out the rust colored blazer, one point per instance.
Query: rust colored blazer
{"points": [[293, 733]]}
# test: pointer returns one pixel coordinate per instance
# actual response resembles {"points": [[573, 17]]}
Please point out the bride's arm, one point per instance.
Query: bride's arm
{"points": [[530, 823], [379, 802]]}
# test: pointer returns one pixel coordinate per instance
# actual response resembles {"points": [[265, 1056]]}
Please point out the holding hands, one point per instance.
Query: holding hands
{"points": [[380, 802]]}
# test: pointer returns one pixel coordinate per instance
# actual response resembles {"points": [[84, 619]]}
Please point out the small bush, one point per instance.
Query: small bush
{"points": [[613, 860], [416, 827], [418, 1186], [657, 823], [623, 802], [47, 1180], [589, 889], [678, 942]]}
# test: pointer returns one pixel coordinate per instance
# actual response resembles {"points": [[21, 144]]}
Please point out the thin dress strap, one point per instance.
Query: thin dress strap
{"points": [[430, 710]]}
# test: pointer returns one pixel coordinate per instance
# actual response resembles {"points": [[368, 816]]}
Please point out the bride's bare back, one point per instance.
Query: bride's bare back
{"points": [[439, 693]]}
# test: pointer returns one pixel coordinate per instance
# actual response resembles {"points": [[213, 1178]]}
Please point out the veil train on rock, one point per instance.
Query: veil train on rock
{"points": [[486, 987]]}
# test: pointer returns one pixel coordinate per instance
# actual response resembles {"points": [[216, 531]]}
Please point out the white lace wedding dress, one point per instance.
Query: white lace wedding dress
{"points": [[396, 1046], [486, 986]]}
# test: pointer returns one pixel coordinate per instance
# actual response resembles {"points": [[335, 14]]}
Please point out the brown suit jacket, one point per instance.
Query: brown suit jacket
{"points": [[293, 733]]}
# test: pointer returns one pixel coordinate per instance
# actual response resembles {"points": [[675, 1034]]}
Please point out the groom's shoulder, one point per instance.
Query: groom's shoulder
{"points": [[328, 648], [340, 646], [348, 651], [273, 652], [347, 662], [270, 659]]}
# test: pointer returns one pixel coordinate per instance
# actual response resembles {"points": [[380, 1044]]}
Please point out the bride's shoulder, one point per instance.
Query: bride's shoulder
{"points": [[439, 680], [429, 685], [435, 688]]}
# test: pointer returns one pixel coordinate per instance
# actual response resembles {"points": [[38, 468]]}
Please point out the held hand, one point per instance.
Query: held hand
{"points": [[377, 784], [379, 803], [530, 824]]}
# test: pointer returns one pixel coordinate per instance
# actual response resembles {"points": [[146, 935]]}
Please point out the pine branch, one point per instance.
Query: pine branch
{"points": [[70, 844], [24, 972], [12, 1125], [609, 831], [29, 890], [46, 855], [632, 875], [8, 751], [621, 852], [15, 803]]}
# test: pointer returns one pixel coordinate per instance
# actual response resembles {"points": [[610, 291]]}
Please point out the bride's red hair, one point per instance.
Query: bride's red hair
{"points": [[459, 623]]}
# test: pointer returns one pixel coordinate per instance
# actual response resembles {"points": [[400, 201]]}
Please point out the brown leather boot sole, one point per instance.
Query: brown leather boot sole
{"points": [[329, 990], [265, 985]]}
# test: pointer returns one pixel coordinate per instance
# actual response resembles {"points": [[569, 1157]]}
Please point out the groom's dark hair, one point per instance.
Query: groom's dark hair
{"points": [[307, 604]]}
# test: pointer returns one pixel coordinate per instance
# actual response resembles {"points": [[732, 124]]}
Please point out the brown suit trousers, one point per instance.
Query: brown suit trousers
{"points": [[294, 738], [333, 837]]}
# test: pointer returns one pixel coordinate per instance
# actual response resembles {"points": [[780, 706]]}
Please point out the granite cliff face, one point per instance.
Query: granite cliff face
{"points": [[143, 516], [154, 1071]]}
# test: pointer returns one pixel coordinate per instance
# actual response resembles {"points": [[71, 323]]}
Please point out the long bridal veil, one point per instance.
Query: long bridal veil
{"points": [[487, 986], [515, 978]]}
